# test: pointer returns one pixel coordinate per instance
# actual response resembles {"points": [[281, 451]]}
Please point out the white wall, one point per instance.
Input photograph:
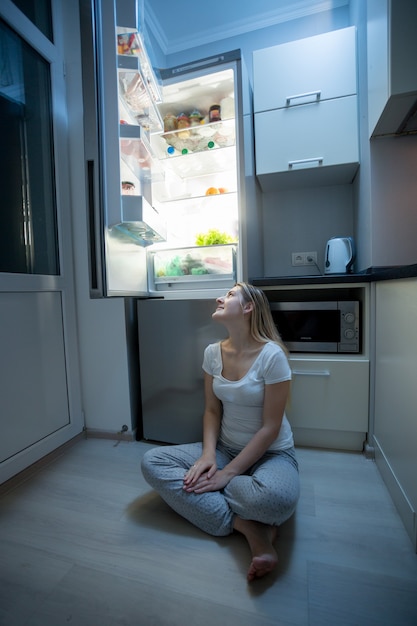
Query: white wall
{"points": [[265, 37], [394, 200], [302, 220]]}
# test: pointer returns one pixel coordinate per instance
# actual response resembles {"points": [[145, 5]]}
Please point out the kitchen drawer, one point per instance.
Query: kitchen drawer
{"points": [[311, 144], [331, 395], [323, 66]]}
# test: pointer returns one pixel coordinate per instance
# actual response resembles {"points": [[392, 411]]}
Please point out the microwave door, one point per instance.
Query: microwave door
{"points": [[319, 326], [308, 327]]}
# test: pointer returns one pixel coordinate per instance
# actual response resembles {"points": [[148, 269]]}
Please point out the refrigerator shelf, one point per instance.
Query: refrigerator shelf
{"points": [[196, 139], [163, 196], [199, 164]]}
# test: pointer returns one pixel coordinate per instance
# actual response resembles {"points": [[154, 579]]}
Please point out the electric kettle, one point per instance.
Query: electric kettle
{"points": [[339, 255]]}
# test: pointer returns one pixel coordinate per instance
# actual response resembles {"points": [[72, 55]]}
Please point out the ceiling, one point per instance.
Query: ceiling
{"points": [[179, 26]]}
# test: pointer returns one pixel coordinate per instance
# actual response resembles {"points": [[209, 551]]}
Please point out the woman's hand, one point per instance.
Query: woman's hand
{"points": [[203, 466], [208, 481]]}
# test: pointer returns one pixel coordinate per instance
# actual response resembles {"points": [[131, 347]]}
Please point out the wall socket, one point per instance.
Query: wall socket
{"points": [[304, 258]]}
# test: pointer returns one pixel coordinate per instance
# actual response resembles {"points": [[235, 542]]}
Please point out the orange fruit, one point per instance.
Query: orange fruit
{"points": [[223, 190], [211, 191]]}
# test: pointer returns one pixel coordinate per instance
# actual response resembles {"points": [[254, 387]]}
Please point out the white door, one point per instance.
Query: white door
{"points": [[40, 399]]}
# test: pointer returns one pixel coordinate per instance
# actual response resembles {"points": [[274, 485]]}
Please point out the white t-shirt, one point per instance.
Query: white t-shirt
{"points": [[243, 399]]}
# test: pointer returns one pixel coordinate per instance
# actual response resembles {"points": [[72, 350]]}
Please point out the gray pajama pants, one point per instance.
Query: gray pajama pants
{"points": [[267, 493]]}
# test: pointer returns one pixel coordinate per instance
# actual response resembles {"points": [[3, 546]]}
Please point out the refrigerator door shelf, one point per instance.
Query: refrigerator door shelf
{"points": [[137, 155], [135, 96], [130, 46], [141, 224]]}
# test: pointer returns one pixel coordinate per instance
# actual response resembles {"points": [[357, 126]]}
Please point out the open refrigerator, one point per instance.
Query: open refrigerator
{"points": [[170, 176], [164, 163]]}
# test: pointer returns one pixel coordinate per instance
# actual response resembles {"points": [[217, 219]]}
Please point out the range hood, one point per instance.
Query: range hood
{"points": [[409, 124], [399, 116], [391, 59]]}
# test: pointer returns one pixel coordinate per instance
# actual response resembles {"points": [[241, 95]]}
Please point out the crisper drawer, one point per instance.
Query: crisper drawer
{"points": [[194, 267], [330, 395], [323, 67], [310, 144]]}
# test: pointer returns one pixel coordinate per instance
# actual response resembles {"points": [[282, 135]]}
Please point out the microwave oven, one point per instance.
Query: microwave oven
{"points": [[318, 326]]}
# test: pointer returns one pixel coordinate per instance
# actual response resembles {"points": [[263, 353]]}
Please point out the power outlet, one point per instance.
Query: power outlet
{"points": [[304, 258]]}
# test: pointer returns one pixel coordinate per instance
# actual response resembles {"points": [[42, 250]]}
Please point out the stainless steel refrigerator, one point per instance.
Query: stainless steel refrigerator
{"points": [[172, 199]]}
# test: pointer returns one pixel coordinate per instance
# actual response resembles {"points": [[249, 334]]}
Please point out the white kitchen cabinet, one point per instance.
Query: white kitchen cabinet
{"points": [[323, 66], [309, 141], [395, 420], [391, 57], [306, 113], [329, 401]]}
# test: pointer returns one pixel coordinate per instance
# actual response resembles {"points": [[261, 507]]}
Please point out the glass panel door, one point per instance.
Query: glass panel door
{"points": [[39, 12], [28, 233]]}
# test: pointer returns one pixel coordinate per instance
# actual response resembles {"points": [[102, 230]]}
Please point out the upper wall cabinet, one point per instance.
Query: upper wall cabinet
{"points": [[392, 74], [306, 111]]}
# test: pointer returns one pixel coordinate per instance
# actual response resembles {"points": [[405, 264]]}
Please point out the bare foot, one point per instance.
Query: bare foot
{"points": [[261, 565], [260, 538]]}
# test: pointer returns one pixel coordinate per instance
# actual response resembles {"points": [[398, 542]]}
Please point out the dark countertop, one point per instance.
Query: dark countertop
{"points": [[367, 276]]}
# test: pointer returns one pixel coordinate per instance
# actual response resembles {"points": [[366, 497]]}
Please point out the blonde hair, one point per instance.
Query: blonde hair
{"points": [[262, 326]]}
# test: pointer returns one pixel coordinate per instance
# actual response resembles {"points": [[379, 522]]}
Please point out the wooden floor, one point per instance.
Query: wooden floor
{"points": [[85, 542]]}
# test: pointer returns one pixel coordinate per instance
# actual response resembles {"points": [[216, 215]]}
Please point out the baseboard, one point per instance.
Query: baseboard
{"points": [[329, 439], [404, 507], [96, 433]]}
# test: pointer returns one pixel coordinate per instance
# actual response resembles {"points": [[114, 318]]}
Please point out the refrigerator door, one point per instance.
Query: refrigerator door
{"points": [[172, 339], [120, 94]]}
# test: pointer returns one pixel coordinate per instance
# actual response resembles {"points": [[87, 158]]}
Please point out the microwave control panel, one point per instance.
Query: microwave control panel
{"points": [[349, 326]]}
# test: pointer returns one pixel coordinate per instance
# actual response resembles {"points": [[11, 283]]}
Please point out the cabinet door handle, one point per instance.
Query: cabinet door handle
{"points": [[308, 94], [311, 373], [318, 160]]}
